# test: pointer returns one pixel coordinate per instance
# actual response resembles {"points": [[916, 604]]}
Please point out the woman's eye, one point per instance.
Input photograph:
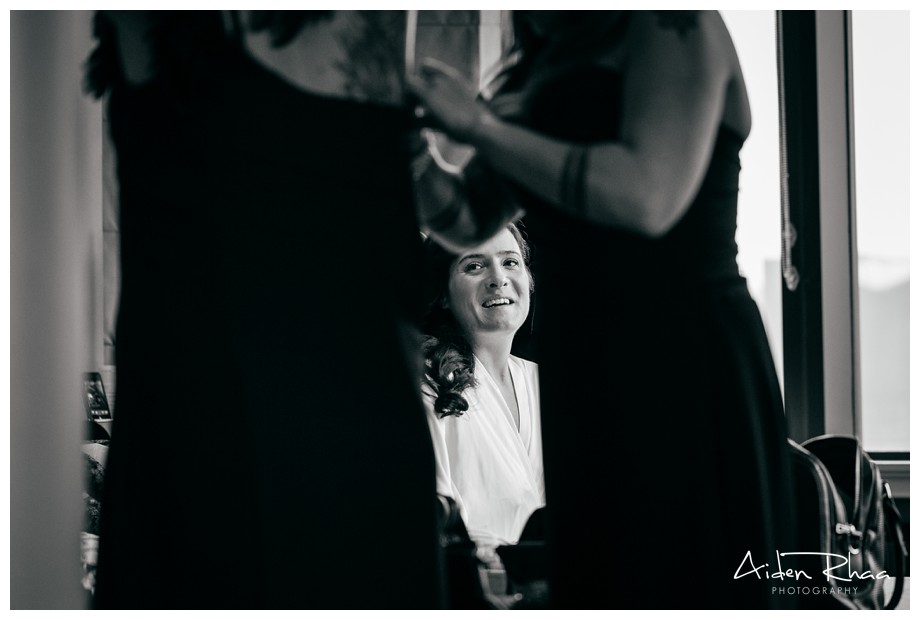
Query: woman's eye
{"points": [[512, 262], [472, 267]]}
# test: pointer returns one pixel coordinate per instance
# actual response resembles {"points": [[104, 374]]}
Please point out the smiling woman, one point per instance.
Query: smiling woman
{"points": [[483, 403]]}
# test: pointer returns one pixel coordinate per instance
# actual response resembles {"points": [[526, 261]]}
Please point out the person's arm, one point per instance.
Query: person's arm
{"points": [[459, 202], [444, 484], [674, 85]]}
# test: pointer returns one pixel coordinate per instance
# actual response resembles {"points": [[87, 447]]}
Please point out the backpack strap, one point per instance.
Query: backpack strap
{"points": [[893, 521]]}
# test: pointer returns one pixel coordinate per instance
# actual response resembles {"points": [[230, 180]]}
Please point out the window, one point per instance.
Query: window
{"points": [[846, 243], [881, 116], [759, 234]]}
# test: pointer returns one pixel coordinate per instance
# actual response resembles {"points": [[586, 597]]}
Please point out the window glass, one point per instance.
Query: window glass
{"points": [[881, 98], [759, 204]]}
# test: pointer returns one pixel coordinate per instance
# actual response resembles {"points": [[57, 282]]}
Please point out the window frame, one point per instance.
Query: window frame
{"points": [[820, 258]]}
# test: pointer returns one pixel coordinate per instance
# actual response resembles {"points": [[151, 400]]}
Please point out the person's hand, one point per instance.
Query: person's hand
{"points": [[450, 98], [449, 155]]}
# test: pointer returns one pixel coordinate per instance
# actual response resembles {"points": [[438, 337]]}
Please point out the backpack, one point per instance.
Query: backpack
{"points": [[850, 538]]}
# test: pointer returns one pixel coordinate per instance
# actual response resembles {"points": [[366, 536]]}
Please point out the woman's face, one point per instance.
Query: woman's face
{"points": [[489, 287]]}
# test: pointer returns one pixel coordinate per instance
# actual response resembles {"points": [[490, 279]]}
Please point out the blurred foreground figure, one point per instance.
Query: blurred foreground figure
{"points": [[270, 449], [664, 438]]}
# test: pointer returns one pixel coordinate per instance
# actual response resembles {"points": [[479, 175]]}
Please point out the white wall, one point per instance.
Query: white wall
{"points": [[55, 313]]}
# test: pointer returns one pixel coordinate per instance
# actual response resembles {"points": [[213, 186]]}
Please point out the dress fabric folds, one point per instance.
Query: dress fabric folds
{"points": [[269, 448], [664, 432]]}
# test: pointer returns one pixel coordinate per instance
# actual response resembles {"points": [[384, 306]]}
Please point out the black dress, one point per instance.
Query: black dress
{"points": [[664, 434], [269, 448]]}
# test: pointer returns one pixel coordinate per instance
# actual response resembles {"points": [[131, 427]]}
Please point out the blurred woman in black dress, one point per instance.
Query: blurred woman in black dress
{"points": [[270, 449], [664, 436]]}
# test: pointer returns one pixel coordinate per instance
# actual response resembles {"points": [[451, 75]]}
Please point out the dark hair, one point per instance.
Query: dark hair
{"points": [[447, 353]]}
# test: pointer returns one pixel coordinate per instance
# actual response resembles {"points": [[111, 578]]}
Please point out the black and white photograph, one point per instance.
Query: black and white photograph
{"points": [[442, 310]]}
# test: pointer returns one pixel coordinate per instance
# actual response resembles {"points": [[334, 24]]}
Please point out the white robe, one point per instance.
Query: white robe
{"points": [[493, 471]]}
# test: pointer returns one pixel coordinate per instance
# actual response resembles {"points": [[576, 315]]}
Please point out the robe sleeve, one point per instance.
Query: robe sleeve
{"points": [[444, 482]]}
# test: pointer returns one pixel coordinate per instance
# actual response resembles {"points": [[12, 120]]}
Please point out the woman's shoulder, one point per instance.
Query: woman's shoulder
{"points": [[428, 393], [692, 36], [354, 55], [681, 22]]}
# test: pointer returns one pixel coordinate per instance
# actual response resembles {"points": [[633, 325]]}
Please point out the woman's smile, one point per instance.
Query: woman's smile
{"points": [[494, 302], [489, 288]]}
